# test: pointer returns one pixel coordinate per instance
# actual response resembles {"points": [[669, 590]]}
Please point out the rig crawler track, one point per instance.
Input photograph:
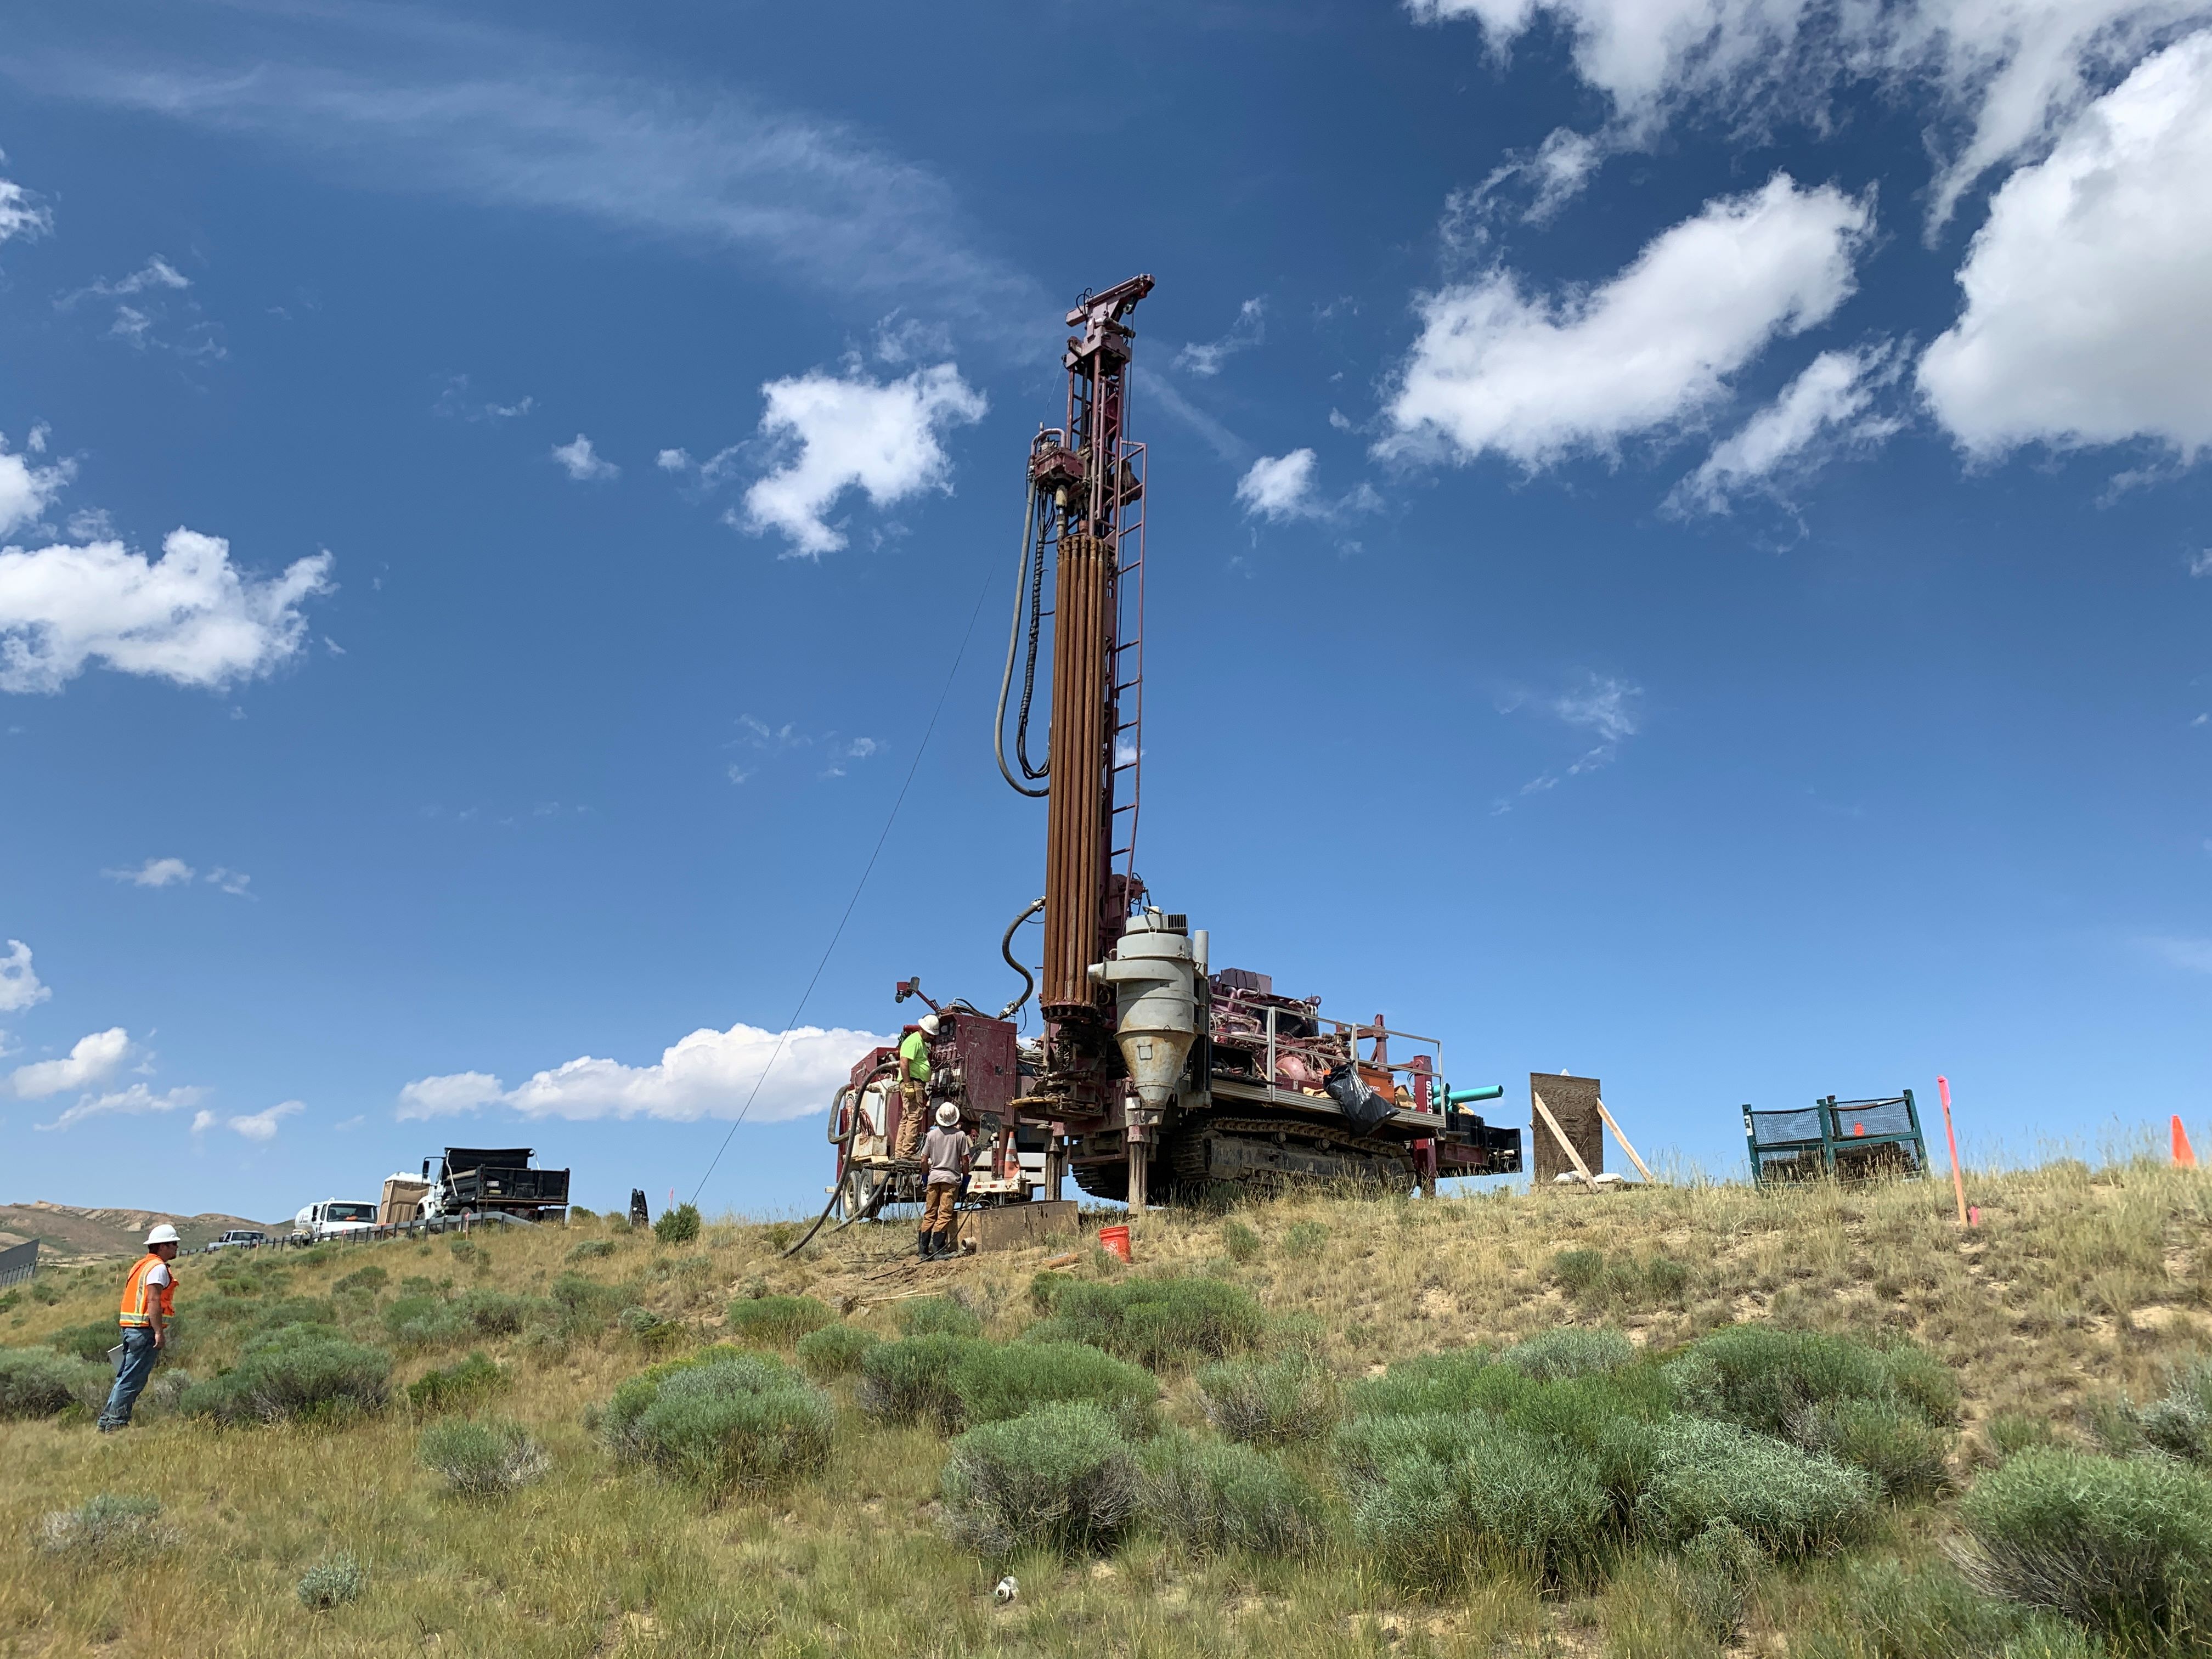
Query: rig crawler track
{"points": [[1214, 1152]]}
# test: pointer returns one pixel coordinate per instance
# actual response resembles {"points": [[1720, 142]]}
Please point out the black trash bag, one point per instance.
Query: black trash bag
{"points": [[1363, 1104]]}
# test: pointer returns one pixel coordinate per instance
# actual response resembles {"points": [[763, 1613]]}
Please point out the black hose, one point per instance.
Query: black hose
{"points": [[1034, 593], [845, 1154], [1006, 950]]}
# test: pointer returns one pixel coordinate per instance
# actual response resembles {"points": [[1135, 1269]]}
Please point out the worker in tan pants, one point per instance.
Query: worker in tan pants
{"points": [[913, 1087], [948, 1151]]}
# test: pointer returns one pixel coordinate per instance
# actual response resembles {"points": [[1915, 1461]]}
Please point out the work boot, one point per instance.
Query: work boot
{"points": [[925, 1245]]}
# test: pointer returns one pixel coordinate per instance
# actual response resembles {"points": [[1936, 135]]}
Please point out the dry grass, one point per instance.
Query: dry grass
{"points": [[2080, 1284]]}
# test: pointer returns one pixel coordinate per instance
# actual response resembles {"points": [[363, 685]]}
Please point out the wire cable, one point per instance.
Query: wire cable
{"points": [[921, 749]]}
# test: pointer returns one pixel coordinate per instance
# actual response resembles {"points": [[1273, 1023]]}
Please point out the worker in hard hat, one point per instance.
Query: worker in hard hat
{"points": [[948, 1152], [913, 1086], [149, 1296]]}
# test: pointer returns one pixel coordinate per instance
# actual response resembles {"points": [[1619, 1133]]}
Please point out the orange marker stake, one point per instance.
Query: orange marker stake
{"points": [[1958, 1183], [2185, 1155]]}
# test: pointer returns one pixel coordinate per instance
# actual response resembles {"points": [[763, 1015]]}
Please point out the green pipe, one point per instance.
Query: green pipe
{"points": [[1461, 1096]]}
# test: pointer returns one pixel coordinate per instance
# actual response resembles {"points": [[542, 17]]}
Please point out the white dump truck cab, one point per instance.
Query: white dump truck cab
{"points": [[334, 1217]]}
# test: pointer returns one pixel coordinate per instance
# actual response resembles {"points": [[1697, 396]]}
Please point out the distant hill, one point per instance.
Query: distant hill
{"points": [[72, 1232]]}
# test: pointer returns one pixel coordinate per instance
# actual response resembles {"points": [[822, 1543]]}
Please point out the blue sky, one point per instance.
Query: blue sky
{"points": [[1678, 552]]}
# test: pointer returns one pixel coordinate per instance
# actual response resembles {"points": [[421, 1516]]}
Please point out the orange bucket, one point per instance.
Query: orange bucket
{"points": [[1114, 1241]]}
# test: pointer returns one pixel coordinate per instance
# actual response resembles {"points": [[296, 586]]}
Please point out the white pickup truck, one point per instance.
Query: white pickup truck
{"points": [[333, 1217]]}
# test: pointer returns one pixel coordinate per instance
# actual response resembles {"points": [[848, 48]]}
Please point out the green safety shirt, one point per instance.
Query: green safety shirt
{"points": [[914, 1055]]}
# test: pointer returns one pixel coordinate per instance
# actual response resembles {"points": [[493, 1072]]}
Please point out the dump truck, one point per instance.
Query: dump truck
{"points": [[482, 1180]]}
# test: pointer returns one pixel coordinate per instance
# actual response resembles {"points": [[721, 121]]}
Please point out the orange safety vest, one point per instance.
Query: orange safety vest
{"points": [[134, 1294]]}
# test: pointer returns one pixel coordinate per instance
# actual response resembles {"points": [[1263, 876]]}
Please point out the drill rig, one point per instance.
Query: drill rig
{"points": [[1156, 1077]]}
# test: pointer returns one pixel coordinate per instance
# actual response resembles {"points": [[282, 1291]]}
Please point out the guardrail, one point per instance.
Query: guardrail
{"points": [[445, 1223]]}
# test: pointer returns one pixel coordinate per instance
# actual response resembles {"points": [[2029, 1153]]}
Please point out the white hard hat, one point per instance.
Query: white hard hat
{"points": [[929, 1025], [948, 1114], [162, 1234]]}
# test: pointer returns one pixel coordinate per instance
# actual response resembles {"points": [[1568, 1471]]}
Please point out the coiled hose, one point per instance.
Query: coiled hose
{"points": [[845, 1155]]}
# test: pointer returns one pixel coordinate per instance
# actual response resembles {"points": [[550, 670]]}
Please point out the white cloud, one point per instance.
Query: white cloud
{"points": [[203, 1121], [2200, 564], [132, 1102], [839, 433], [1830, 403], [2191, 955], [155, 275], [2088, 317], [20, 988], [93, 1061], [1607, 707], [1247, 331], [1550, 177], [25, 489], [1535, 379], [2006, 74], [155, 872], [18, 215], [261, 1127], [233, 881], [190, 617], [492, 115], [673, 460], [708, 1074], [1279, 488], [581, 464]]}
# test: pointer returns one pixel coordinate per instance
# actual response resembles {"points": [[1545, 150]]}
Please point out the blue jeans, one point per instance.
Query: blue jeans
{"points": [[131, 1374]]}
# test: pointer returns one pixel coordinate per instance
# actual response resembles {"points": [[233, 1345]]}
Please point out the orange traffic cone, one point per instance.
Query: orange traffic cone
{"points": [[2185, 1155]]}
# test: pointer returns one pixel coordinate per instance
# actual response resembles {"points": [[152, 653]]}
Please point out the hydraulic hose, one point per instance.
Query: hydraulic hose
{"points": [[844, 1155], [1006, 950], [1025, 590]]}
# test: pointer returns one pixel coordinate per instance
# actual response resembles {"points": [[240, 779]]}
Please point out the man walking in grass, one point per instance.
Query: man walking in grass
{"points": [[150, 1297], [947, 1151]]}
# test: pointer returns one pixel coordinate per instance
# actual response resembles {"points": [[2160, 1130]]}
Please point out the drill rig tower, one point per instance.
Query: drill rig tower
{"points": [[1155, 1076]]}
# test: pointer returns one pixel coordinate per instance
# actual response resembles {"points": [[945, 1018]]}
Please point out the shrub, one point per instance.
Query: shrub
{"points": [[1367, 1446], [1058, 1478], [1240, 1241], [1504, 1497], [2010, 1432], [1787, 1501], [362, 1281], [584, 1303], [482, 1458], [1762, 1378], [723, 1419], [776, 1320], [455, 1387], [1213, 1498], [833, 1351], [1719, 1566], [331, 1581], [654, 1330], [106, 1530], [492, 1313], [2179, 1423], [1568, 1350], [422, 1320], [1933, 1614], [1272, 1402], [590, 1250], [35, 1383], [1902, 1451], [470, 1253], [996, 1380], [1305, 1240], [1666, 1278], [285, 1376], [1461, 1380], [88, 1342], [678, 1226], [939, 1315], [1578, 1271], [1155, 1322], [911, 1380], [578, 1212], [2123, 1546]]}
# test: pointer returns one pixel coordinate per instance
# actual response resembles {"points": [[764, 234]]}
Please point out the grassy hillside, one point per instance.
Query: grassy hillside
{"points": [[2081, 1287], [70, 1232]]}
